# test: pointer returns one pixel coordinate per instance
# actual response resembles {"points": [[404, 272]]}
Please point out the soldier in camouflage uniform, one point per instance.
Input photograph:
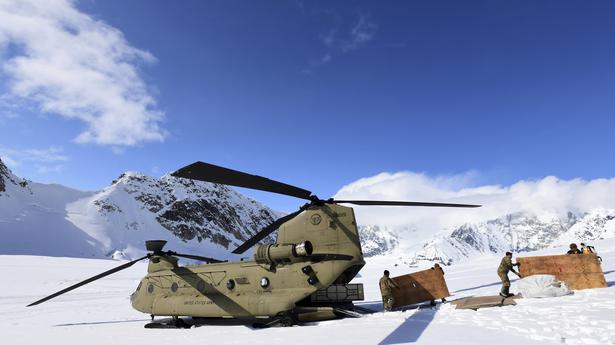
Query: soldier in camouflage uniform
{"points": [[506, 265], [386, 289]]}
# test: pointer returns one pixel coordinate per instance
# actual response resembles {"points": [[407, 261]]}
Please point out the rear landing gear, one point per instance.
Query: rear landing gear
{"points": [[282, 321], [174, 322]]}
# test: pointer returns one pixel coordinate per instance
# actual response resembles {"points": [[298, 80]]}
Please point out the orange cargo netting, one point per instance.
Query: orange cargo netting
{"points": [[578, 271], [420, 286]]}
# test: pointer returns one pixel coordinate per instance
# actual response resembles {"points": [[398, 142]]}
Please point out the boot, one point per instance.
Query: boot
{"points": [[505, 292]]}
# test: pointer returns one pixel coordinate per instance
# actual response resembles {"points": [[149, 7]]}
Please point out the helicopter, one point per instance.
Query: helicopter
{"points": [[317, 253]]}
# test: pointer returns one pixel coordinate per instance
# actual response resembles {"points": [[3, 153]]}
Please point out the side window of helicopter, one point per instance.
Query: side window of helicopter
{"points": [[200, 286], [150, 288], [174, 287]]}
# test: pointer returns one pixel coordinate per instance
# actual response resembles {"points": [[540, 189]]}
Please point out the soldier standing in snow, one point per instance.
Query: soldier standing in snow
{"points": [[589, 250], [437, 267], [574, 249], [506, 265], [386, 289]]}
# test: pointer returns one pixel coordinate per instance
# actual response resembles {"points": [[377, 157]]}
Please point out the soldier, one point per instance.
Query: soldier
{"points": [[386, 286], [437, 267], [587, 249], [506, 265], [574, 249]]}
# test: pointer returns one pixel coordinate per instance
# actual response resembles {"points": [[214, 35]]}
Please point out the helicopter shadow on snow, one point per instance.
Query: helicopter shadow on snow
{"points": [[98, 323], [190, 322], [412, 328]]}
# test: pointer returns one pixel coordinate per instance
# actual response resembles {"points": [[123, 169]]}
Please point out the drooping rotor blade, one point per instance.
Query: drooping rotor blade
{"points": [[194, 257], [265, 232], [89, 280], [216, 174], [401, 203]]}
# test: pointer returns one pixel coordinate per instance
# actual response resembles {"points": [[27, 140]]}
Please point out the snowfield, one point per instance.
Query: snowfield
{"points": [[100, 313]]}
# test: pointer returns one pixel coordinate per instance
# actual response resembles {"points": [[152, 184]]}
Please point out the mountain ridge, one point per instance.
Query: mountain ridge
{"points": [[201, 217], [194, 216]]}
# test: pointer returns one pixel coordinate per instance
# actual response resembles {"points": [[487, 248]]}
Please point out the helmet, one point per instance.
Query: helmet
{"points": [[573, 245]]}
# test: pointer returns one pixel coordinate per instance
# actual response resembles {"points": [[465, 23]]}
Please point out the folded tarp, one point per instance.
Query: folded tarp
{"points": [[541, 285]]}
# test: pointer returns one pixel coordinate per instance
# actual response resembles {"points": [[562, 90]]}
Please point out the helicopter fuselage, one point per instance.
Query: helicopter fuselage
{"points": [[280, 275]]}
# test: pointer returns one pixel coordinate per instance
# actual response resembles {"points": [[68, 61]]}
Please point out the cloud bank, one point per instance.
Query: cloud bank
{"points": [[45, 160], [70, 64], [546, 198]]}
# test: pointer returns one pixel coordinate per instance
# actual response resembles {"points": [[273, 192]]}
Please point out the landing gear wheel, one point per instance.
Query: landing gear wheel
{"points": [[282, 321], [286, 322], [172, 323]]}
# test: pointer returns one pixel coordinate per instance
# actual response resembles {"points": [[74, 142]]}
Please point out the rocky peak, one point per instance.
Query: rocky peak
{"points": [[377, 240], [4, 171], [7, 177], [519, 232], [193, 211]]}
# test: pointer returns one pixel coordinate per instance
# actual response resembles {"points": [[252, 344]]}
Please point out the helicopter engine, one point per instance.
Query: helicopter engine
{"points": [[281, 253]]}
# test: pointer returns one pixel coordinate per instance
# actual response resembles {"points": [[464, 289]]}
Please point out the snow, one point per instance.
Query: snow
{"points": [[100, 313], [542, 285]]}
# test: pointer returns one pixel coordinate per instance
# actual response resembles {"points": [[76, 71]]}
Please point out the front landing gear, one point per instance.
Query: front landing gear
{"points": [[174, 322], [282, 321]]}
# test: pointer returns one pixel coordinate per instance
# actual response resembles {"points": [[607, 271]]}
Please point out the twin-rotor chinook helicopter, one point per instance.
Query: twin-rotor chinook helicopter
{"points": [[303, 276]]}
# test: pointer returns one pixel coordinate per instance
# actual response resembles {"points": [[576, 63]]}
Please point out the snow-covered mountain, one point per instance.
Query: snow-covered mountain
{"points": [[377, 240], [519, 232], [211, 219], [196, 217]]}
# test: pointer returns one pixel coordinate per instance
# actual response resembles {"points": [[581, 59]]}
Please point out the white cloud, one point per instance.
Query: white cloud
{"points": [[70, 64], [46, 160], [546, 198], [362, 32], [338, 41]]}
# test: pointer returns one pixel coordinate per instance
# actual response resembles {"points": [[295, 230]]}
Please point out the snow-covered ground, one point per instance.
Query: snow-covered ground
{"points": [[100, 313]]}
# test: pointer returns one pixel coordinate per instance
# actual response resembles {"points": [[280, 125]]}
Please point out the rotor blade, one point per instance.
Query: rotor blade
{"points": [[216, 174], [265, 232], [401, 203], [89, 280], [195, 257]]}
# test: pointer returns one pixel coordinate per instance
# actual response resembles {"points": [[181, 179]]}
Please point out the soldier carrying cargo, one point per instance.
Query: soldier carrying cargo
{"points": [[436, 267], [589, 250], [506, 265], [386, 289], [574, 249]]}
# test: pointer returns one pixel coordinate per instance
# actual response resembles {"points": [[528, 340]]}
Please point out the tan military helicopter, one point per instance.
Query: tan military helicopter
{"points": [[303, 276]]}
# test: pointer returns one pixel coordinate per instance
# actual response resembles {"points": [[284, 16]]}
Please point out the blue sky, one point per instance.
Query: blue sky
{"points": [[317, 94]]}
